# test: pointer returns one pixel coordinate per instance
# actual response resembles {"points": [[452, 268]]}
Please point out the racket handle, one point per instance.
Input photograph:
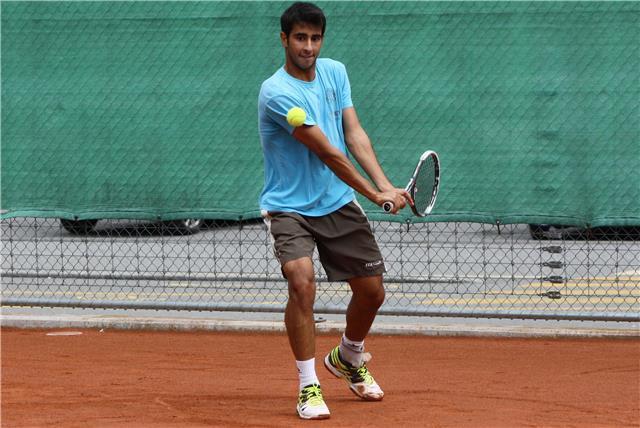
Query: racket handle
{"points": [[387, 206]]}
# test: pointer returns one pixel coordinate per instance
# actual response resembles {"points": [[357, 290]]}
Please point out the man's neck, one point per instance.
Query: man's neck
{"points": [[305, 75]]}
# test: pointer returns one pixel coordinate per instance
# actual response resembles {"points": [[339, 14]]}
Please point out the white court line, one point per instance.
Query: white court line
{"points": [[64, 333]]}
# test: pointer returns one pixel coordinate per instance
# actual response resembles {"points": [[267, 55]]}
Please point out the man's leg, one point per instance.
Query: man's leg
{"points": [[348, 360], [298, 316], [298, 319], [368, 296]]}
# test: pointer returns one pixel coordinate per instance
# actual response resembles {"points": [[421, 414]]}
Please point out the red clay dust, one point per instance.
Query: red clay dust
{"points": [[211, 379]]}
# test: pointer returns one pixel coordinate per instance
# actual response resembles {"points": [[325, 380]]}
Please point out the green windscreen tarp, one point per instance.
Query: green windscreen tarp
{"points": [[149, 109]]}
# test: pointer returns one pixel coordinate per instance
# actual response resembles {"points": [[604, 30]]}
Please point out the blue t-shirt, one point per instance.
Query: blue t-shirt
{"points": [[295, 179]]}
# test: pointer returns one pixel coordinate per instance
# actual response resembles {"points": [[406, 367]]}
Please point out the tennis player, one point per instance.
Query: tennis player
{"points": [[308, 200]]}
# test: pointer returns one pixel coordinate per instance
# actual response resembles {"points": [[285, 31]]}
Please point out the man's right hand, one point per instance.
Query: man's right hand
{"points": [[398, 197]]}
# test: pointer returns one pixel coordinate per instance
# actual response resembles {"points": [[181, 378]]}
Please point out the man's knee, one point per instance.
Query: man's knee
{"points": [[302, 289], [377, 296], [302, 284], [370, 289]]}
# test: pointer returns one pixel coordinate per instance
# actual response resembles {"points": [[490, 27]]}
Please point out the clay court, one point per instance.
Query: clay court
{"points": [[196, 379]]}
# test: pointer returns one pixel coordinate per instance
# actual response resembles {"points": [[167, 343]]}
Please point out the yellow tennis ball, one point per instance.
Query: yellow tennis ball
{"points": [[296, 116]]}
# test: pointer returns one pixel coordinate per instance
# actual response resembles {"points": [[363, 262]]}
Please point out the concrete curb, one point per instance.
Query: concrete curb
{"points": [[214, 324]]}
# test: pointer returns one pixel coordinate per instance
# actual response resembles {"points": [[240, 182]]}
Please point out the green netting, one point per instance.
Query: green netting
{"points": [[148, 109]]}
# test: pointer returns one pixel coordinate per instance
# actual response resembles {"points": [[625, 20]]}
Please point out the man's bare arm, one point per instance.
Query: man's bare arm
{"points": [[362, 150], [314, 139]]}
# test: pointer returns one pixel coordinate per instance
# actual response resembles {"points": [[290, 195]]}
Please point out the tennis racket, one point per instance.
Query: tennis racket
{"points": [[423, 185]]}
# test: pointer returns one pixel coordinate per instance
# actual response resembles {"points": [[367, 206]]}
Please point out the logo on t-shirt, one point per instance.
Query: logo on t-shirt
{"points": [[331, 95]]}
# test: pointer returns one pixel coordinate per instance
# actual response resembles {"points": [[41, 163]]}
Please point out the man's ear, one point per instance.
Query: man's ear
{"points": [[284, 39]]}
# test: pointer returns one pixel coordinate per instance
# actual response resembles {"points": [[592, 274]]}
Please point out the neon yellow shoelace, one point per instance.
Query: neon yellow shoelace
{"points": [[312, 395], [365, 375]]}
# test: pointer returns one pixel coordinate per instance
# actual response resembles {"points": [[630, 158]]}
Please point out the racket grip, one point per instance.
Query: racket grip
{"points": [[387, 206]]}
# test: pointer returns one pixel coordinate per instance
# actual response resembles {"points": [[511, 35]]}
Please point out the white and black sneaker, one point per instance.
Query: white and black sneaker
{"points": [[311, 404]]}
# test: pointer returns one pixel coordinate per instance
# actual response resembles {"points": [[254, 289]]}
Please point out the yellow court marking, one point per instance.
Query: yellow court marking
{"points": [[585, 291], [519, 302], [525, 301], [587, 286], [635, 280], [104, 295]]}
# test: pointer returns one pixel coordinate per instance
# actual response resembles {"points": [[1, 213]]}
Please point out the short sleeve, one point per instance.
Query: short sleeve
{"points": [[278, 106], [345, 98]]}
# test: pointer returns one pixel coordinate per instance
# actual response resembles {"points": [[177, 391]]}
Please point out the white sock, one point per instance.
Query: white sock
{"points": [[307, 372], [351, 350]]}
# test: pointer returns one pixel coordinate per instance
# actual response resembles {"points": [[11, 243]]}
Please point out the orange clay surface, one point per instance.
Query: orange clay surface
{"points": [[197, 379]]}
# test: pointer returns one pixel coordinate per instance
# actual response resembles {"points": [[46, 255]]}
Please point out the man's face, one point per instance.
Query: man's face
{"points": [[303, 45]]}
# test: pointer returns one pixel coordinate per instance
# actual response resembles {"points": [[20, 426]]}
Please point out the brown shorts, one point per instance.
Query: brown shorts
{"points": [[346, 245]]}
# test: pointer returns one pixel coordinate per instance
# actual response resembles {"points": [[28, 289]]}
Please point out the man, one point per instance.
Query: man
{"points": [[308, 199]]}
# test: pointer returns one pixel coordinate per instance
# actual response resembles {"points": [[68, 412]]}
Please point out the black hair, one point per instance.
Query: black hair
{"points": [[299, 12]]}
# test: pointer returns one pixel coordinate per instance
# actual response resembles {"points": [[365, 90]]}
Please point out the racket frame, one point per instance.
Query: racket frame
{"points": [[410, 188]]}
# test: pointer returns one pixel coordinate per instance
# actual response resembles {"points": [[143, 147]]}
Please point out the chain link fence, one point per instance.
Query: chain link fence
{"points": [[434, 269], [149, 108], [139, 109]]}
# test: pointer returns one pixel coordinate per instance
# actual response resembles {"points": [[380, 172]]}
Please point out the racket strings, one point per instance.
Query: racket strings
{"points": [[424, 186]]}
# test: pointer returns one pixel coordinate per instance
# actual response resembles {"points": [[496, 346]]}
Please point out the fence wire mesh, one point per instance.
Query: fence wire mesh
{"points": [[149, 108], [433, 269]]}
